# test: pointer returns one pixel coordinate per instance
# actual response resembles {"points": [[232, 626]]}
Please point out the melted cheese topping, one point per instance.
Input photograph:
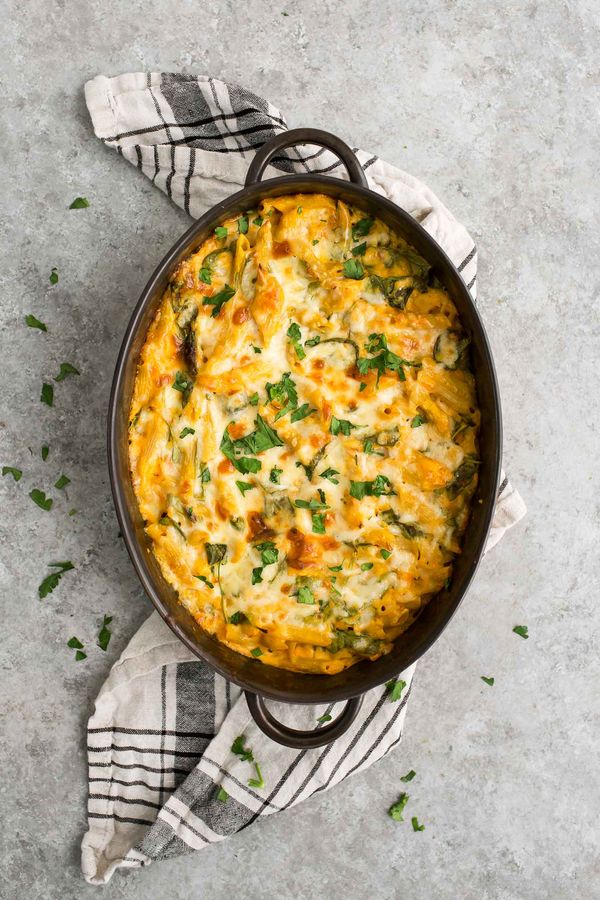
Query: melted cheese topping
{"points": [[303, 435]]}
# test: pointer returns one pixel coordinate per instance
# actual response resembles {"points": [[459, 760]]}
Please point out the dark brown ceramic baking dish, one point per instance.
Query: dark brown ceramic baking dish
{"points": [[258, 680]]}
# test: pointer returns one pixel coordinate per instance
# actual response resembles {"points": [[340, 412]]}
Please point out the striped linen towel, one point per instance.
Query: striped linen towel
{"points": [[163, 779]]}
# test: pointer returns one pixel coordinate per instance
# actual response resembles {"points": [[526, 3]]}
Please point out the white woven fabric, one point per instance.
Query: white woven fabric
{"points": [[159, 741]]}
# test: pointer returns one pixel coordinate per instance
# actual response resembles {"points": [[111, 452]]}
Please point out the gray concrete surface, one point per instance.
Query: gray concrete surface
{"points": [[495, 106]]}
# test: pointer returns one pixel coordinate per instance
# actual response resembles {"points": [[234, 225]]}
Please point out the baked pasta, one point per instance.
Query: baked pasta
{"points": [[303, 434]]}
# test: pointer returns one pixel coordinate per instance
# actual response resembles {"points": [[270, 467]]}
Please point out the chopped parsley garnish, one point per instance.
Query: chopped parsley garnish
{"points": [[336, 568], [221, 232], [253, 400], [360, 249], [186, 431], [362, 228], [258, 221], [245, 753], [395, 688], [51, 581], [263, 438], [330, 474], [381, 486], [256, 349], [184, 384], [396, 809], [302, 412], [204, 579], [11, 470], [318, 523], [204, 473], [47, 395], [385, 554], [313, 341], [256, 651], [204, 275], [488, 680], [54, 275], [275, 475], [353, 268], [104, 635], [215, 553], [62, 482], [324, 718], [366, 566], [522, 631], [242, 224], [79, 203], [283, 393], [417, 421], [408, 777], [222, 795], [245, 486], [295, 336], [315, 242], [341, 426], [66, 369], [415, 824], [45, 451], [237, 618], [299, 210], [40, 498], [362, 387], [310, 504], [257, 575], [268, 552], [219, 299], [305, 595], [368, 448], [35, 323]]}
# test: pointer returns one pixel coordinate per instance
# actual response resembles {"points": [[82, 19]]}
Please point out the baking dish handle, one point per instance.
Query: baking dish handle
{"points": [[305, 136], [292, 737]]}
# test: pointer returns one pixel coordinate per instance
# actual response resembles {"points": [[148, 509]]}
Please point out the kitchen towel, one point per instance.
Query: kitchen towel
{"points": [[163, 777]]}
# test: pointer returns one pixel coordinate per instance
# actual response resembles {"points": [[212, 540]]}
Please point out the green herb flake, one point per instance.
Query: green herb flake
{"points": [[302, 412], [258, 221], [522, 631], [295, 336], [79, 203], [415, 824], [418, 421], [366, 566], [221, 232], [318, 523], [360, 249], [488, 680], [65, 370], [396, 809], [310, 504], [305, 595], [205, 580], [253, 400], [324, 718], [385, 554], [395, 688], [244, 753], [45, 451], [47, 395], [408, 777], [39, 497], [237, 618], [256, 349], [313, 341], [104, 635], [336, 568], [32, 322], [62, 482], [204, 275], [215, 553], [54, 275], [257, 575], [51, 581], [362, 387], [79, 655], [184, 384], [11, 470], [245, 486], [275, 475], [242, 224], [341, 426], [361, 228], [256, 652], [315, 242], [330, 474], [257, 782], [222, 795], [72, 512], [354, 269], [186, 431], [219, 299], [379, 487]]}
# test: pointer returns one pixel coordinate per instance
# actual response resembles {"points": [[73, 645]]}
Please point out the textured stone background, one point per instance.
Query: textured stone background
{"points": [[496, 107]]}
